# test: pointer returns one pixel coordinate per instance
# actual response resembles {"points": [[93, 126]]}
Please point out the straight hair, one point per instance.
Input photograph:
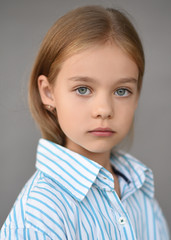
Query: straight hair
{"points": [[76, 31]]}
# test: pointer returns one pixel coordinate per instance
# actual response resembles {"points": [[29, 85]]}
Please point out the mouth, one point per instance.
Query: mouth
{"points": [[102, 132]]}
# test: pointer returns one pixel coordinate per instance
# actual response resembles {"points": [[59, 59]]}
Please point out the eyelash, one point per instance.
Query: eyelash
{"points": [[122, 88]]}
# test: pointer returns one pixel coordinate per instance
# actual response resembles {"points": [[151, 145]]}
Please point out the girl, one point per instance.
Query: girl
{"points": [[83, 93]]}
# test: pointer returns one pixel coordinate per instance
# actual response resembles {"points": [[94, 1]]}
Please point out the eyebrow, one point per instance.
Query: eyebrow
{"points": [[89, 79]]}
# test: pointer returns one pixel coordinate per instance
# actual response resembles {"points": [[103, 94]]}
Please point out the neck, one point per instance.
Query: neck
{"points": [[101, 158]]}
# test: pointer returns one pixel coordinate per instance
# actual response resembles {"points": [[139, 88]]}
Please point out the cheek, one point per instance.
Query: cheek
{"points": [[68, 115], [126, 115]]}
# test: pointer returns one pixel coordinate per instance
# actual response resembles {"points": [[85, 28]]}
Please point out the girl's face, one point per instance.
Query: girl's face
{"points": [[96, 95]]}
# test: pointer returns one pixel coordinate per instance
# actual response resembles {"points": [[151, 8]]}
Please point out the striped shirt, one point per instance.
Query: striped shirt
{"points": [[72, 197]]}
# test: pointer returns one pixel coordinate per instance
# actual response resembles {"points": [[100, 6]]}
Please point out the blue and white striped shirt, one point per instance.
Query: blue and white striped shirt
{"points": [[72, 197]]}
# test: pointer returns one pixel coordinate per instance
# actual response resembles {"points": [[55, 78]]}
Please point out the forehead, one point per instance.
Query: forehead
{"points": [[100, 62]]}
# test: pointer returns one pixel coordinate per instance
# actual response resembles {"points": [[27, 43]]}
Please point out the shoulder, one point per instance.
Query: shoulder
{"points": [[42, 208], [51, 197]]}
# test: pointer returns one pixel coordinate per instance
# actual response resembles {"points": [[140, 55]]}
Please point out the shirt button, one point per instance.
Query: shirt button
{"points": [[122, 220]]}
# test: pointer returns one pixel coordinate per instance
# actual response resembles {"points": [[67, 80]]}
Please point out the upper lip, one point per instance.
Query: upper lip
{"points": [[100, 129]]}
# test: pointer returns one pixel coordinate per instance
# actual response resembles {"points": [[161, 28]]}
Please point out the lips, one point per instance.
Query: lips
{"points": [[102, 132]]}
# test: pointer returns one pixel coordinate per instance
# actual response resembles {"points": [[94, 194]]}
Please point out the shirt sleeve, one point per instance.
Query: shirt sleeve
{"points": [[34, 223]]}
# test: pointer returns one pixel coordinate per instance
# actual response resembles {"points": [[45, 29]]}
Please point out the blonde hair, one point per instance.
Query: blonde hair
{"points": [[72, 33]]}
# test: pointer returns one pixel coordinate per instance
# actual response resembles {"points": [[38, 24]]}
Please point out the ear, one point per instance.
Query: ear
{"points": [[45, 90]]}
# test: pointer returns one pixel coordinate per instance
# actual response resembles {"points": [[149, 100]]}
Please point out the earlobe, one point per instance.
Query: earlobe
{"points": [[45, 90]]}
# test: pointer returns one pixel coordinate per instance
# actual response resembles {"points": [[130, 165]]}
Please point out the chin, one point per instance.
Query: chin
{"points": [[99, 149]]}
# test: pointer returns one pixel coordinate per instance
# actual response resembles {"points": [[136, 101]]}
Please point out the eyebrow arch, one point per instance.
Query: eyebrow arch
{"points": [[82, 79], [127, 80], [89, 79]]}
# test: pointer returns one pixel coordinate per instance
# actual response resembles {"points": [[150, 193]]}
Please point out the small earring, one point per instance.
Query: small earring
{"points": [[50, 108]]}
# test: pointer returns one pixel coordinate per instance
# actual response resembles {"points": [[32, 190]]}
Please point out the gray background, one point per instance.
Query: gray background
{"points": [[23, 25]]}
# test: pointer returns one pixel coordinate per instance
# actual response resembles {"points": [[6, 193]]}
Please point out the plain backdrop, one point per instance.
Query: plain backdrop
{"points": [[23, 25]]}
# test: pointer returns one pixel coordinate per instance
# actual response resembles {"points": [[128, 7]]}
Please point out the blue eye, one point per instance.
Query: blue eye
{"points": [[83, 91], [122, 92]]}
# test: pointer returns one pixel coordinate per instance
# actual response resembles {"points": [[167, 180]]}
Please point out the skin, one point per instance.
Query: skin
{"points": [[96, 88]]}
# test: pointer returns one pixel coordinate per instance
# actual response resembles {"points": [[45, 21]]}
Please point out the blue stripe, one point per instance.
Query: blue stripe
{"points": [[61, 177], [71, 165], [45, 214], [90, 225], [138, 176], [32, 182], [88, 160], [67, 173], [5, 233], [104, 204], [117, 199], [99, 209], [66, 201], [72, 177], [40, 230], [40, 220], [154, 224], [92, 208], [150, 177], [85, 231], [54, 206], [146, 217], [135, 222], [54, 210], [78, 223], [149, 183], [45, 204], [22, 210], [62, 187], [101, 196], [147, 188], [36, 234], [123, 168], [28, 234], [116, 235], [128, 193], [16, 225], [125, 233], [140, 213], [24, 233], [9, 227], [123, 190], [9, 233], [15, 218], [55, 195], [84, 205]]}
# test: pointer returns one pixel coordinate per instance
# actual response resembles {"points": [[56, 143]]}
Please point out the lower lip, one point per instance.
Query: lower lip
{"points": [[102, 134]]}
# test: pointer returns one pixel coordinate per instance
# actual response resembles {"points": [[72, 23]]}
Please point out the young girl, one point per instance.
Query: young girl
{"points": [[83, 93]]}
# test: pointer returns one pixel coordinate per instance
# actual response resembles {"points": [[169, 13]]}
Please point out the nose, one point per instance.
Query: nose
{"points": [[102, 108]]}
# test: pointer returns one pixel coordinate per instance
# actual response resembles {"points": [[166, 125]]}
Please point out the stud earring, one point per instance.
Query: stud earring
{"points": [[50, 108]]}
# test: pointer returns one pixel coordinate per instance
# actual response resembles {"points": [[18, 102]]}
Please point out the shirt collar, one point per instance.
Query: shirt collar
{"points": [[76, 173], [72, 171], [140, 176]]}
